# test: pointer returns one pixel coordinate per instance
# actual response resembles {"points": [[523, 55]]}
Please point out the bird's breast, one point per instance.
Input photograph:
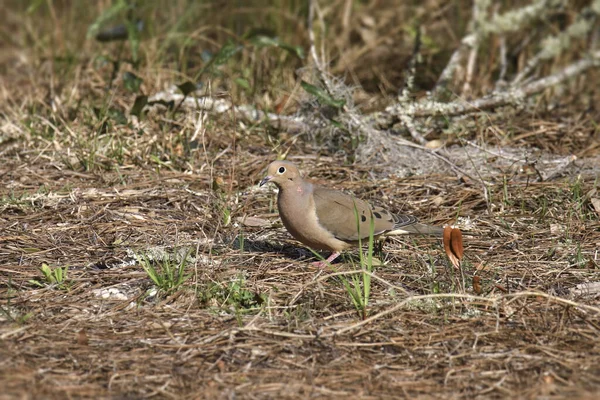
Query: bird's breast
{"points": [[299, 216]]}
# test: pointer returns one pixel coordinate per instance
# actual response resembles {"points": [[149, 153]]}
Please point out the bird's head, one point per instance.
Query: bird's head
{"points": [[281, 173]]}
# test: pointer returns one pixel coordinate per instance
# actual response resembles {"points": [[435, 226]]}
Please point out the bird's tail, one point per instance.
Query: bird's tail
{"points": [[417, 229]]}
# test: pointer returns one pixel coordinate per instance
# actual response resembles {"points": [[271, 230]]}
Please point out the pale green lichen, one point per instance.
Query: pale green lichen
{"points": [[514, 20], [554, 45]]}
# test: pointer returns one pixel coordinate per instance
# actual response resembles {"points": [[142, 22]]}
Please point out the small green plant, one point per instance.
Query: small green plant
{"points": [[242, 241], [14, 315], [236, 295], [226, 215], [239, 296], [435, 284], [221, 200], [358, 286], [22, 201], [543, 208], [167, 273], [506, 197], [10, 312], [52, 277], [579, 197], [578, 259]]}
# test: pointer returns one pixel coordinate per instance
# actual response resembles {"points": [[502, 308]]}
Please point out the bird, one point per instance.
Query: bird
{"points": [[332, 220]]}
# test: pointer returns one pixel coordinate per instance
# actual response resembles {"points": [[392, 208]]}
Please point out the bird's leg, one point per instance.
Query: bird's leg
{"points": [[332, 257]]}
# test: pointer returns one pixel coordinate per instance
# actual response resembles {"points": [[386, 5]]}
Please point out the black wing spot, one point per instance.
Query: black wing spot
{"points": [[363, 218], [377, 215]]}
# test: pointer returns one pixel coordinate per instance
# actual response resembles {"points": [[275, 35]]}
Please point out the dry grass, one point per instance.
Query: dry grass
{"points": [[82, 188], [526, 334]]}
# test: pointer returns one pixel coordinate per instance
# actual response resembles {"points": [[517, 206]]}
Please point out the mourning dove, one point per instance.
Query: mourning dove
{"points": [[326, 219]]}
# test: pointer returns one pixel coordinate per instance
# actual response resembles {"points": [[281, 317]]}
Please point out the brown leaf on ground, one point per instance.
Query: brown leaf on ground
{"points": [[477, 284], [254, 221], [456, 243], [596, 204], [453, 245], [82, 338]]}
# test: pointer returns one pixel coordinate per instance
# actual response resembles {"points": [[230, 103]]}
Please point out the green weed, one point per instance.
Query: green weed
{"points": [[578, 196], [358, 286], [579, 260], [167, 273], [9, 311], [56, 277], [234, 296]]}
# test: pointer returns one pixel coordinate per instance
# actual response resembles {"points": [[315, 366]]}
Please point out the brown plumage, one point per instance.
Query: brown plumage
{"points": [[326, 219]]}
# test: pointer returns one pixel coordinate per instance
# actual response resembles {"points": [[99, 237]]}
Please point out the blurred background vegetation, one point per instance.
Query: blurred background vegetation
{"points": [[97, 62]]}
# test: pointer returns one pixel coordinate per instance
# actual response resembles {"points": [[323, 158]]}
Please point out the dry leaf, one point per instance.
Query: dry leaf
{"points": [[253, 221], [477, 284], [221, 366], [437, 200], [178, 150], [446, 240], [501, 288], [434, 144], [82, 338], [482, 267], [217, 183], [281, 104], [447, 248], [596, 203], [456, 243], [548, 379], [589, 288], [453, 245]]}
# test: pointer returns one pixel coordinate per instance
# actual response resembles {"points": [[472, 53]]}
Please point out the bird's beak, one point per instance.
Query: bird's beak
{"points": [[265, 180]]}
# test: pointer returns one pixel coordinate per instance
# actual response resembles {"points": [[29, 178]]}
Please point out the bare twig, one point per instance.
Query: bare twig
{"points": [[553, 46], [222, 106], [512, 96], [510, 21], [503, 63], [478, 14]]}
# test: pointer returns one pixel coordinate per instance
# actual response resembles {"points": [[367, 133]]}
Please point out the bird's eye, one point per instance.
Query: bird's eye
{"points": [[281, 170]]}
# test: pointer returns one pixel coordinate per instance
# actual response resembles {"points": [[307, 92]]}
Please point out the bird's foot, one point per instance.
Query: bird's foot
{"points": [[323, 264]]}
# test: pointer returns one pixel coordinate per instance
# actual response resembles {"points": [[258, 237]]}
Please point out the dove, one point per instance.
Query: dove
{"points": [[331, 220]]}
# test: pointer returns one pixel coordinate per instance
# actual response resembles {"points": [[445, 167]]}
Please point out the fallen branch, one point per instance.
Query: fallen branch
{"points": [[221, 106], [512, 96]]}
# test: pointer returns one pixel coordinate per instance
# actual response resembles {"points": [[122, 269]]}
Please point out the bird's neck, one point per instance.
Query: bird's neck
{"points": [[295, 191]]}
